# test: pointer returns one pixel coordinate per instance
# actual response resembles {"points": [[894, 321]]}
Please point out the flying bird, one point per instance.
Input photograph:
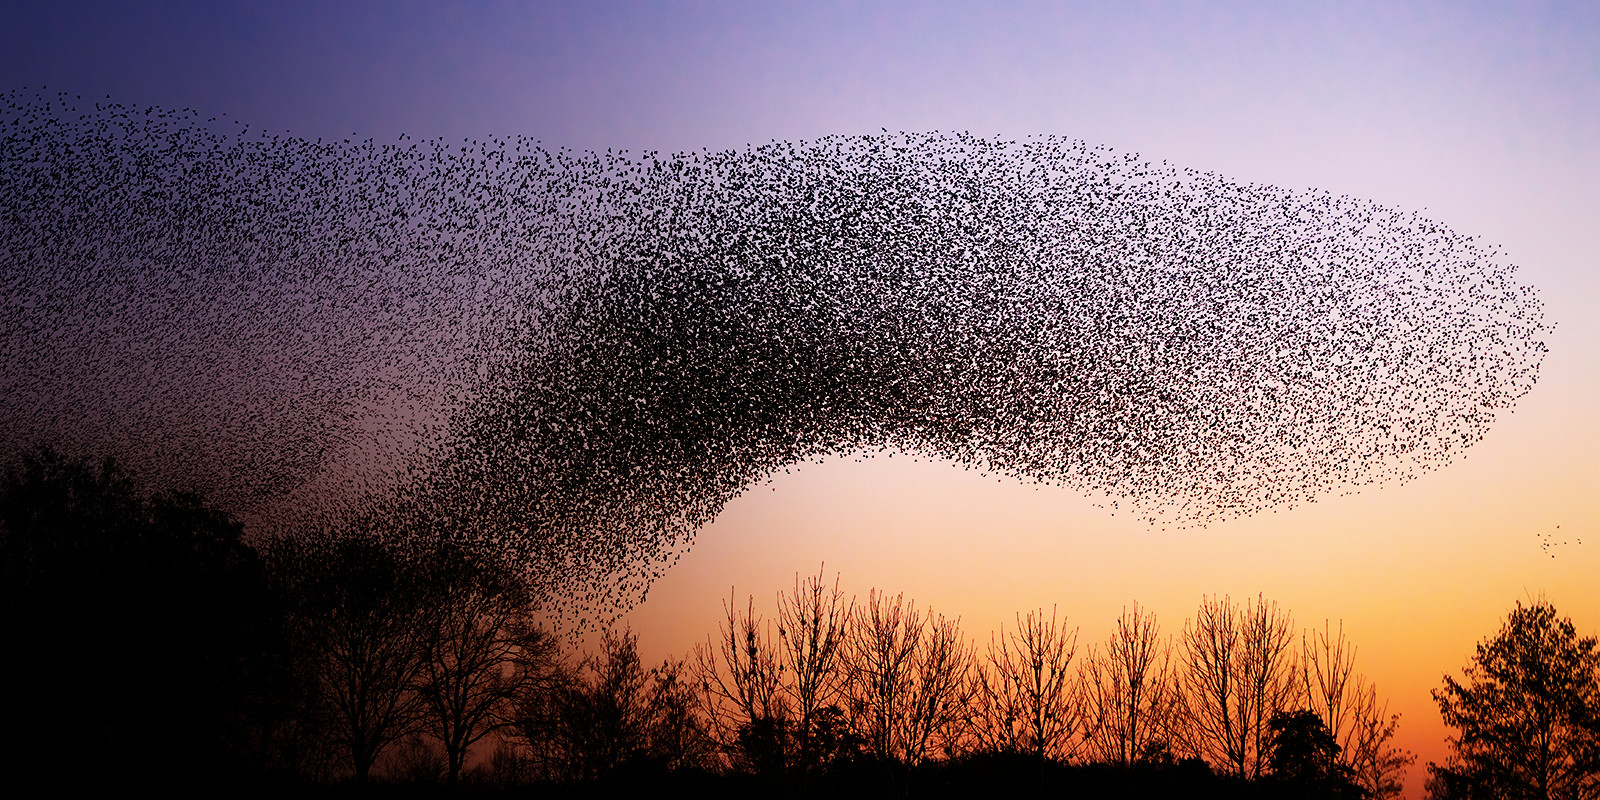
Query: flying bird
{"points": [[578, 358]]}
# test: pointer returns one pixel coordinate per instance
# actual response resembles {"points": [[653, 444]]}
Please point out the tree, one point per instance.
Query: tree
{"points": [[478, 630], [610, 714], [1348, 706], [940, 692], [1129, 697], [678, 737], [741, 681], [1305, 757], [363, 622], [884, 637], [1526, 714], [605, 714], [1026, 698], [545, 680], [136, 624], [1238, 672], [812, 623]]}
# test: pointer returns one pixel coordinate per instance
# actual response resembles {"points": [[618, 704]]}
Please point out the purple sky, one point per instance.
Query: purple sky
{"points": [[688, 75]]}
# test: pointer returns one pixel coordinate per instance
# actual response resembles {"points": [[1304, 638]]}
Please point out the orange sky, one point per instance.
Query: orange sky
{"points": [[1417, 573]]}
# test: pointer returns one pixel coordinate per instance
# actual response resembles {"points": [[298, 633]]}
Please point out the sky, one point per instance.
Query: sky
{"points": [[1485, 117]]}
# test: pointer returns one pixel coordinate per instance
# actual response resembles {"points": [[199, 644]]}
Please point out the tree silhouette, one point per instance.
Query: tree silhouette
{"points": [[137, 627], [884, 637], [611, 716], [678, 735], [363, 620], [1238, 672], [1347, 704], [535, 736], [812, 622], [1526, 714], [1305, 757], [606, 712], [1129, 694], [741, 679], [1026, 698], [479, 628], [941, 690]]}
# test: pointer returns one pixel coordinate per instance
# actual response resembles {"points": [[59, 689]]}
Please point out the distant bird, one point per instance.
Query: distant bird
{"points": [[1548, 541], [580, 358]]}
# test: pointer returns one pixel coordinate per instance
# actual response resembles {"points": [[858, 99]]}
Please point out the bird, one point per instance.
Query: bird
{"points": [[581, 357]]}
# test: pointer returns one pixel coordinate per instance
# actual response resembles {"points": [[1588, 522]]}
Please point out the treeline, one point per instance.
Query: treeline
{"points": [[151, 645], [1238, 695]]}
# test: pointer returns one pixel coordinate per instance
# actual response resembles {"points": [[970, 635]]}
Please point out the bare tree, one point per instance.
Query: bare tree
{"points": [[479, 630], [1376, 764], [362, 622], [1209, 682], [1348, 705], [741, 680], [1128, 692], [812, 624], [1269, 675], [884, 637], [677, 735], [1239, 671], [1026, 699], [940, 692]]}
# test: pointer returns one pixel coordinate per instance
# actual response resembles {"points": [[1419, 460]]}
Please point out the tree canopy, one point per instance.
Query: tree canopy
{"points": [[1526, 714], [137, 625]]}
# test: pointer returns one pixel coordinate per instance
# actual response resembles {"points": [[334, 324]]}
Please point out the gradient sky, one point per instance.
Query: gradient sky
{"points": [[1486, 117]]}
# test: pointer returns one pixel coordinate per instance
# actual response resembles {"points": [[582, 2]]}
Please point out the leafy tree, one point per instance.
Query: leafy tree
{"points": [[136, 625], [1305, 757], [1526, 714]]}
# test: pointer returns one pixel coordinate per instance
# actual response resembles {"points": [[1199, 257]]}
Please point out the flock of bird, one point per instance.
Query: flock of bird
{"points": [[579, 358], [1548, 543]]}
